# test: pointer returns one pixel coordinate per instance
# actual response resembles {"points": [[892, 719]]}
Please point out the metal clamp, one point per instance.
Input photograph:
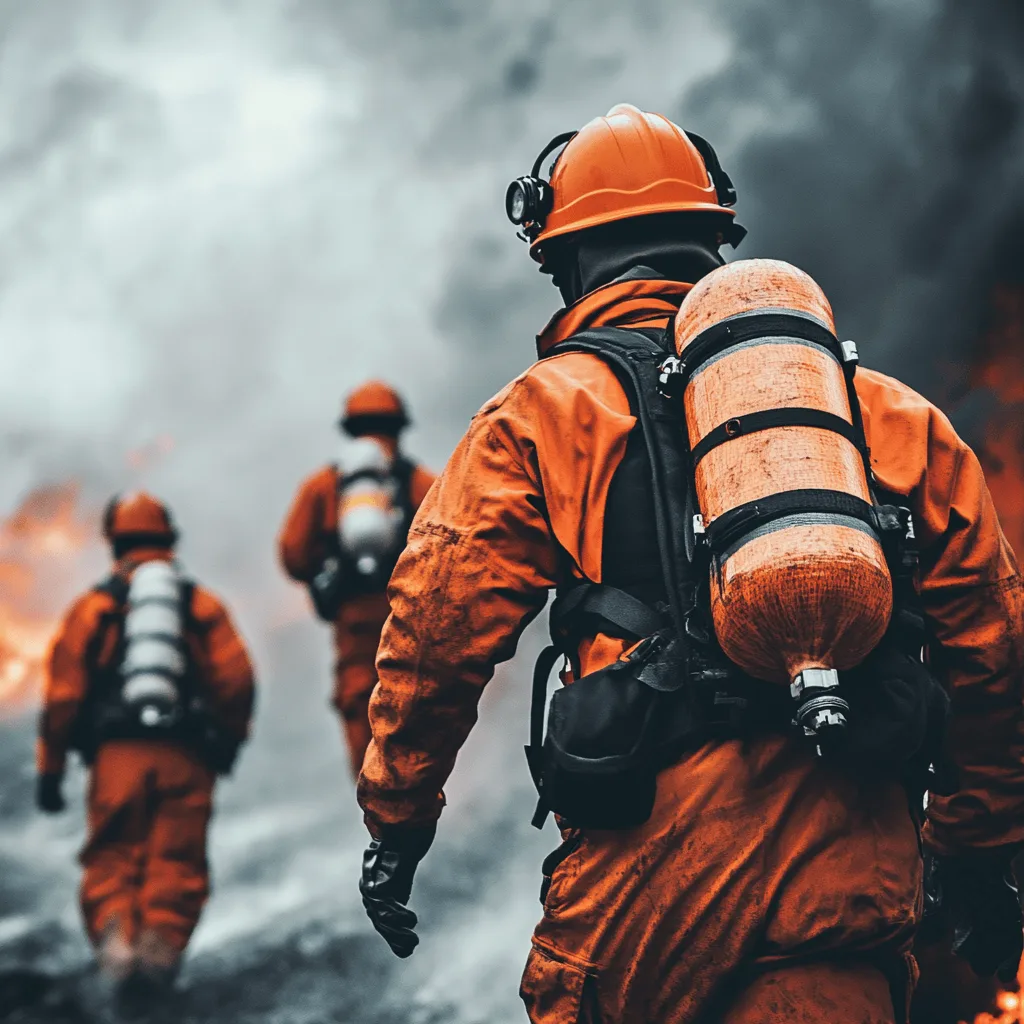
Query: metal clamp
{"points": [[671, 381], [813, 679]]}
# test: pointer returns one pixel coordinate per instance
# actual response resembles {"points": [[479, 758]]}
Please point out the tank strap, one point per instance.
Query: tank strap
{"points": [[729, 529], [402, 470], [741, 426], [755, 326], [115, 586], [759, 325]]}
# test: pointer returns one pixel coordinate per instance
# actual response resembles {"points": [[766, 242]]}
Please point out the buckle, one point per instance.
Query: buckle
{"points": [[644, 650], [906, 522], [671, 379], [728, 709]]}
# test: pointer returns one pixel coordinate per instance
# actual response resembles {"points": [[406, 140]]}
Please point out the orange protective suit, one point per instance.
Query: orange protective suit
{"points": [[149, 803], [305, 541], [765, 886]]}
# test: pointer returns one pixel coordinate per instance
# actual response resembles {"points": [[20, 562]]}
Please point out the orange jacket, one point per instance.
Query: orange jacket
{"points": [[224, 669], [532, 475], [312, 520]]}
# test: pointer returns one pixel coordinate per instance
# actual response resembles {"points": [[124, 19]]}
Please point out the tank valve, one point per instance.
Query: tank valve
{"points": [[366, 565], [820, 712]]}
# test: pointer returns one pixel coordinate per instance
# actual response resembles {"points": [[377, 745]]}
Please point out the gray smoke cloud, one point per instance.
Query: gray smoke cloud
{"points": [[215, 218], [888, 163]]}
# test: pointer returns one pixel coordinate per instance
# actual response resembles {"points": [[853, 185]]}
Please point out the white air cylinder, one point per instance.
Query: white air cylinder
{"points": [[368, 521], [154, 657]]}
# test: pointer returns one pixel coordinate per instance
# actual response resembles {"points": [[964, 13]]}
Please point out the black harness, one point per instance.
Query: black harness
{"points": [[656, 567], [339, 580], [104, 716], [355, 583]]}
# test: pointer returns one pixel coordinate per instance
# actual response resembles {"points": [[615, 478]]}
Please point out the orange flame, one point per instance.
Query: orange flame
{"points": [[36, 543], [999, 366], [999, 362], [1011, 1010], [1009, 1006]]}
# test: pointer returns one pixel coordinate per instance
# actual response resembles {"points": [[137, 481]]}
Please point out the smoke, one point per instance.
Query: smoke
{"points": [[215, 218], [887, 162]]}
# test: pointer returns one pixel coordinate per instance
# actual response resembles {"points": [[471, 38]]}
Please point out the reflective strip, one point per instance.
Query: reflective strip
{"points": [[755, 342], [800, 519]]}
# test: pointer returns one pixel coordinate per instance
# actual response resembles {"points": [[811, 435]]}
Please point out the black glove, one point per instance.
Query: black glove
{"points": [[388, 868], [979, 894], [49, 797], [218, 747]]}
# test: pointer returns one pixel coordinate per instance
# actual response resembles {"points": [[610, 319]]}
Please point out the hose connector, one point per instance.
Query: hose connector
{"points": [[821, 712]]}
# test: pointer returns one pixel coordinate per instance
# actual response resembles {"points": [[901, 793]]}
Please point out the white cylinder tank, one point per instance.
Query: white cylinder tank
{"points": [[368, 521], [154, 655]]}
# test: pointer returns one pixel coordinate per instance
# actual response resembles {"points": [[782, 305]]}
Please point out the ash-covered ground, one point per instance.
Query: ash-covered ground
{"points": [[284, 937], [216, 217]]}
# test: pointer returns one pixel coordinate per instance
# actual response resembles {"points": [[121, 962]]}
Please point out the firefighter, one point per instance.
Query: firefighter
{"points": [[342, 536], [761, 882], [150, 683]]}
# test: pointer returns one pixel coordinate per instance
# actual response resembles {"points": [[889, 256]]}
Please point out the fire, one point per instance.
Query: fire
{"points": [[1009, 1005], [999, 363], [999, 367], [37, 542], [1002, 457]]}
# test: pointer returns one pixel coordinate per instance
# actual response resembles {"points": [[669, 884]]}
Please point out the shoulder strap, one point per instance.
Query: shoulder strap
{"points": [[188, 610], [115, 586], [402, 470], [635, 357], [601, 603]]}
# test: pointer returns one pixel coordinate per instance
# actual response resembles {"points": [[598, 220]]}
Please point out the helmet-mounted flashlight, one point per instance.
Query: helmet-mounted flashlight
{"points": [[528, 199]]}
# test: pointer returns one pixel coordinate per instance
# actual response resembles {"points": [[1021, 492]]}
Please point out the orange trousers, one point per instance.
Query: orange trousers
{"points": [[144, 859], [357, 632], [764, 888]]}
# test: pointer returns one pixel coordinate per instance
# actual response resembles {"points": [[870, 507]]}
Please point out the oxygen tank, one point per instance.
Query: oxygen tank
{"points": [[800, 587], [154, 656], [368, 521]]}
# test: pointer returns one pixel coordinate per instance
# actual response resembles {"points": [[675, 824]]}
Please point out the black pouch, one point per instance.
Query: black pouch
{"points": [[326, 590], [218, 749], [598, 764]]}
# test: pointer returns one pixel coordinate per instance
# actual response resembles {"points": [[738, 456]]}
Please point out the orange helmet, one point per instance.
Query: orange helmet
{"points": [[623, 165], [373, 408], [138, 515]]}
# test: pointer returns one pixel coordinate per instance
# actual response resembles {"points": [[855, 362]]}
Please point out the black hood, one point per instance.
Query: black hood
{"points": [[676, 250]]}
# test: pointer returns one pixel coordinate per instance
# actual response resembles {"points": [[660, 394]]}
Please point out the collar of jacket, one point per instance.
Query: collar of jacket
{"points": [[625, 302], [131, 561]]}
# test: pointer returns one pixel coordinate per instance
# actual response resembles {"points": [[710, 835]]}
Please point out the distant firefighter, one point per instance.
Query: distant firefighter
{"points": [[149, 681], [342, 537]]}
